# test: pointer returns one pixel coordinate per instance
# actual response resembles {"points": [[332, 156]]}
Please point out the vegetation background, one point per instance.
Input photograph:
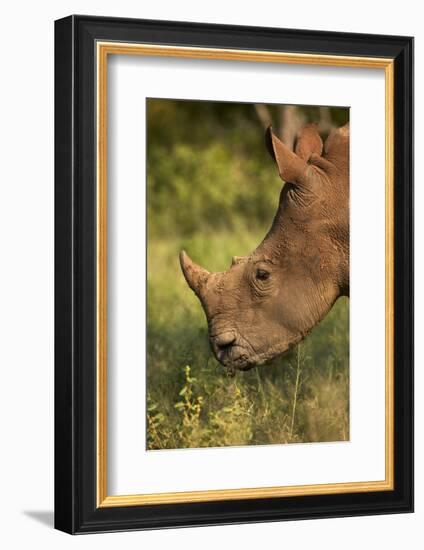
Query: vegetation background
{"points": [[212, 190]]}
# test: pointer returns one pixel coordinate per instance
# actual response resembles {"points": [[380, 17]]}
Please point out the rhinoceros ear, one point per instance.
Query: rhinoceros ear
{"points": [[337, 146], [308, 142], [291, 167]]}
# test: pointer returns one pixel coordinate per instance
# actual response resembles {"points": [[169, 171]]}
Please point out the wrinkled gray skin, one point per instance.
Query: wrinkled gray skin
{"points": [[269, 301]]}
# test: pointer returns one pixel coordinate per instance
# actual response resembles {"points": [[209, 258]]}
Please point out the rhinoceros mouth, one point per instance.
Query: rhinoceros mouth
{"points": [[244, 357], [241, 362], [236, 357], [240, 357], [232, 350]]}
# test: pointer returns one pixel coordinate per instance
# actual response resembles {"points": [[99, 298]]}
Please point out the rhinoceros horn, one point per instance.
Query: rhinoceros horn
{"points": [[195, 275]]}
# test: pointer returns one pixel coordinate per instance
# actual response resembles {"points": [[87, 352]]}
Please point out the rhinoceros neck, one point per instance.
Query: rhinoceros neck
{"points": [[291, 243], [281, 240]]}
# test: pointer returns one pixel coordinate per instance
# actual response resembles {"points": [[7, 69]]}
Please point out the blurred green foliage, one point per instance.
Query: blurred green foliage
{"points": [[208, 167], [213, 190]]}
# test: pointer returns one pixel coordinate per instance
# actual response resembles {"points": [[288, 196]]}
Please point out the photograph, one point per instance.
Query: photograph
{"points": [[247, 274], [211, 266], [233, 273]]}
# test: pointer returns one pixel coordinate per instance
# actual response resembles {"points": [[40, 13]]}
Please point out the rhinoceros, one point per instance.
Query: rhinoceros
{"points": [[267, 302]]}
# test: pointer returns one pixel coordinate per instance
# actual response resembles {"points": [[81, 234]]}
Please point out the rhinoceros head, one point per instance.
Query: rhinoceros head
{"points": [[270, 300]]}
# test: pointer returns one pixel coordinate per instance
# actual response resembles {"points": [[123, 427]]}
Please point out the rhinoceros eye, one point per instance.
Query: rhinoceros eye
{"points": [[262, 274]]}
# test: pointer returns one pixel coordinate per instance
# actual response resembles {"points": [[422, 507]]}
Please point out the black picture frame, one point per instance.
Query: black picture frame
{"points": [[76, 508]]}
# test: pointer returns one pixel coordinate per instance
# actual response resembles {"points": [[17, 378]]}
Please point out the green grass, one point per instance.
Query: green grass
{"points": [[300, 397]]}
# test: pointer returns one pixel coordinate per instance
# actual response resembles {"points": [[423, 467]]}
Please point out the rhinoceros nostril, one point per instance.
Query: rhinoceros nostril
{"points": [[225, 340]]}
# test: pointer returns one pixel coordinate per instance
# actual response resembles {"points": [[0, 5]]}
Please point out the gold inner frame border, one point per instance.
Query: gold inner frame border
{"points": [[103, 50]]}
